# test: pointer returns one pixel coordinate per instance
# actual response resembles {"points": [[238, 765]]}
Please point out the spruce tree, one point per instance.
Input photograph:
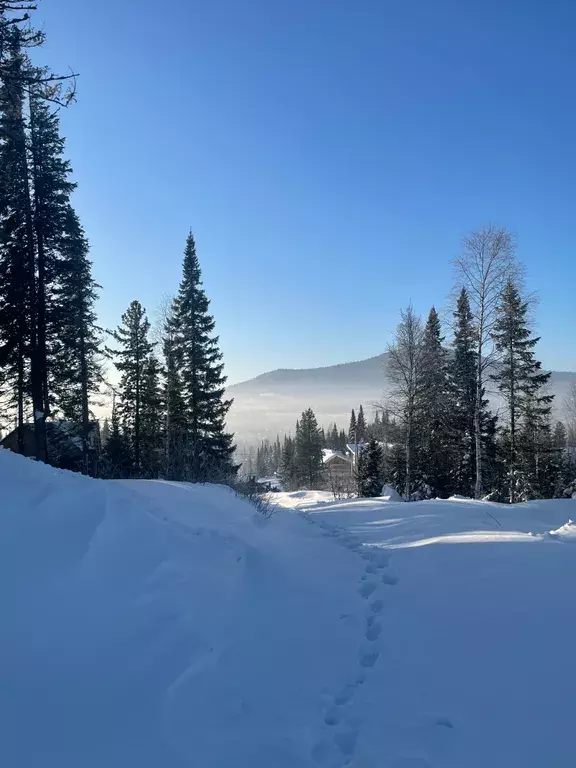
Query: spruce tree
{"points": [[115, 461], [433, 462], [361, 425], [173, 396], [75, 370], [287, 472], [18, 308], [371, 470], [308, 452], [34, 201], [463, 374], [209, 449], [522, 384], [131, 359], [152, 421], [352, 429]]}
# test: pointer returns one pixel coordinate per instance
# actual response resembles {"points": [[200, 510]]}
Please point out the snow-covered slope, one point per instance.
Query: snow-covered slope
{"points": [[159, 624]]}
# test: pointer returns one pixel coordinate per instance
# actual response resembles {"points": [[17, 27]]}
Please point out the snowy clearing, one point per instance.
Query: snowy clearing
{"points": [[161, 624]]}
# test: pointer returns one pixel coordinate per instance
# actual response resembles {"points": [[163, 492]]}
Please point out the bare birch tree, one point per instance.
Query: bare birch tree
{"points": [[404, 372], [570, 410], [486, 262]]}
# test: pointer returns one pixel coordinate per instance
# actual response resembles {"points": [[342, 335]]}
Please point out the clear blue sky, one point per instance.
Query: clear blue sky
{"points": [[328, 154]]}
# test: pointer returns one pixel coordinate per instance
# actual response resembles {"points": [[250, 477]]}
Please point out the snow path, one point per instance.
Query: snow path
{"points": [[476, 664], [338, 747]]}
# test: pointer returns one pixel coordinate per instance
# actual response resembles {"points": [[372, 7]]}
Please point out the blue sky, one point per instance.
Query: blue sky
{"points": [[329, 156]]}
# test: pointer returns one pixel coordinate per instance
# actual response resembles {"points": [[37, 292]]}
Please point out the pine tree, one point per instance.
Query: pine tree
{"points": [[173, 396], [18, 309], [34, 203], [371, 470], [342, 441], [208, 447], [105, 434], [75, 370], [361, 426], [115, 462], [132, 358], [433, 462], [522, 385], [352, 429], [464, 371], [308, 451], [560, 436], [287, 472], [152, 421]]}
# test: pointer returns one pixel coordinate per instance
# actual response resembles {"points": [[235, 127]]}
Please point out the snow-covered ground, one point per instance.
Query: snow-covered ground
{"points": [[163, 624]]}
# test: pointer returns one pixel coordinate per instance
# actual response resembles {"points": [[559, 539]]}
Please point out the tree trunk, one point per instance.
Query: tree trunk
{"points": [[36, 375], [41, 262], [408, 458], [85, 403]]}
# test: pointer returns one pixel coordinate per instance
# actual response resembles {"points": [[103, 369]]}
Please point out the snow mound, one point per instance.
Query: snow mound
{"points": [[566, 532], [154, 624], [390, 494]]}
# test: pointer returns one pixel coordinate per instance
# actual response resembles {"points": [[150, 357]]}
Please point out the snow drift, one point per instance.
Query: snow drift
{"points": [[161, 624]]}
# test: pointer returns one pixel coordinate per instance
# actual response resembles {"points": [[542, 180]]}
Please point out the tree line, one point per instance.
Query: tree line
{"points": [[49, 340], [169, 411], [169, 407], [438, 433]]}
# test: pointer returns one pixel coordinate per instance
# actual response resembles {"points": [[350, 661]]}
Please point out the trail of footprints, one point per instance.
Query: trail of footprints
{"points": [[338, 747]]}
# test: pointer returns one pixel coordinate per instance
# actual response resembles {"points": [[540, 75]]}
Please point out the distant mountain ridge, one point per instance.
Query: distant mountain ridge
{"points": [[271, 403]]}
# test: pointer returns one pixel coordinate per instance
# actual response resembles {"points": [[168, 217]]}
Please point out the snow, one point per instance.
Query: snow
{"points": [[390, 494], [150, 623]]}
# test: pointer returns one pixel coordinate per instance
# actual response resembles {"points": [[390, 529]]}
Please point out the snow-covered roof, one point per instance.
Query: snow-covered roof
{"points": [[328, 454]]}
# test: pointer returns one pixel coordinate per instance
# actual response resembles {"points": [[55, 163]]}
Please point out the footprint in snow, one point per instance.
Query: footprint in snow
{"points": [[368, 657], [367, 588], [373, 630], [377, 605], [388, 578]]}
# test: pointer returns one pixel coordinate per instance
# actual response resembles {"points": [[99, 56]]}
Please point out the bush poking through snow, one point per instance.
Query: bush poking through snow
{"points": [[250, 491]]}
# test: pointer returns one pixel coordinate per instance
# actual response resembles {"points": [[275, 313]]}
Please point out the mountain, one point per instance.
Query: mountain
{"points": [[271, 403]]}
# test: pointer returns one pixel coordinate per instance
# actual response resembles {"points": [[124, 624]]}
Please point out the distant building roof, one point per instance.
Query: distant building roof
{"points": [[329, 455]]}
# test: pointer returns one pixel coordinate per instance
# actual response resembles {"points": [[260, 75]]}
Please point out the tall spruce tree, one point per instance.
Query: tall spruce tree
{"points": [[287, 472], [371, 470], [75, 370], [116, 460], [34, 201], [352, 429], [464, 372], [208, 448], [152, 422], [308, 451], [175, 411], [433, 462], [132, 359], [522, 384], [19, 355], [361, 425]]}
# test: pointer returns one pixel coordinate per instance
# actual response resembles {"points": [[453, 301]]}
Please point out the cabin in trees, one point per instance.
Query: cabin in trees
{"points": [[338, 469], [64, 445]]}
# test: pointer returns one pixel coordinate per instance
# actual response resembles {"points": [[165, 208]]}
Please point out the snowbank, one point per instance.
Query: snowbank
{"points": [[162, 624], [155, 624]]}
